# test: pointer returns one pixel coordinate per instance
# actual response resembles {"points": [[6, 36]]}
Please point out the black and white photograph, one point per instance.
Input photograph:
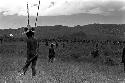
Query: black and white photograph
{"points": [[62, 41]]}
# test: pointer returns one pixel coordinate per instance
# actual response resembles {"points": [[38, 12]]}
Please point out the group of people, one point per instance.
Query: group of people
{"points": [[32, 52]]}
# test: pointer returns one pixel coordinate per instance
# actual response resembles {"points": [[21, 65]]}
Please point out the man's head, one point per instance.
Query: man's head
{"points": [[52, 45], [29, 31], [30, 34]]}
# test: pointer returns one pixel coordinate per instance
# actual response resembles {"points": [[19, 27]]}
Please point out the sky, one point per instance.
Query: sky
{"points": [[13, 13]]}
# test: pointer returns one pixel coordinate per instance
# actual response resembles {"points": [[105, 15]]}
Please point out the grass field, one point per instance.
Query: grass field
{"points": [[73, 64]]}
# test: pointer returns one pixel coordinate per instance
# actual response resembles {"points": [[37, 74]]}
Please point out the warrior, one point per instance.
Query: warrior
{"points": [[51, 53], [123, 57], [95, 53], [32, 49]]}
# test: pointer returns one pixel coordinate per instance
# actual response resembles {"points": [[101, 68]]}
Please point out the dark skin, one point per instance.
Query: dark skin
{"points": [[32, 46], [123, 58], [51, 53]]}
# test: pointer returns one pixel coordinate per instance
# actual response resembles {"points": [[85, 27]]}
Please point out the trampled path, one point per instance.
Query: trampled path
{"points": [[59, 72]]}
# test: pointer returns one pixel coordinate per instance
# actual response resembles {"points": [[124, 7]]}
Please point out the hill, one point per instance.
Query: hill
{"points": [[87, 31]]}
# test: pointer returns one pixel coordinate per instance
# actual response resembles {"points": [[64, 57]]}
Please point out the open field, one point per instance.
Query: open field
{"points": [[73, 64]]}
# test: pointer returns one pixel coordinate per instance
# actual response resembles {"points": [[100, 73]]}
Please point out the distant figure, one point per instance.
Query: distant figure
{"points": [[1, 40], [56, 44], [123, 57], [95, 53], [63, 44], [32, 47], [46, 43], [51, 53]]}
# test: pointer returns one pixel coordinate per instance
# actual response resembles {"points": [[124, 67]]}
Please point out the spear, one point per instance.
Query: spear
{"points": [[28, 13], [37, 14]]}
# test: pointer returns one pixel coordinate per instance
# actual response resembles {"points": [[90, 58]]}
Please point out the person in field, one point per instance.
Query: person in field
{"points": [[56, 44], [63, 44], [46, 43], [32, 48], [51, 53], [123, 57], [95, 52], [1, 40]]}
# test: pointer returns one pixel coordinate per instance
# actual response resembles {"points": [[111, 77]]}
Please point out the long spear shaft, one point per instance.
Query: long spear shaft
{"points": [[37, 14], [28, 12]]}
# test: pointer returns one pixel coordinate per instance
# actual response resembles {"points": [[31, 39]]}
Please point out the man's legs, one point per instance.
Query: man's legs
{"points": [[25, 68], [33, 66], [51, 58]]}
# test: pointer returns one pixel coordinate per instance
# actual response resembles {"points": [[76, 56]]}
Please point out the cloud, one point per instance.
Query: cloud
{"points": [[122, 9], [61, 7]]}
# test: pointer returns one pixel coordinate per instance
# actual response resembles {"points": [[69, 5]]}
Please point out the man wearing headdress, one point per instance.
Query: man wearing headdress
{"points": [[32, 48]]}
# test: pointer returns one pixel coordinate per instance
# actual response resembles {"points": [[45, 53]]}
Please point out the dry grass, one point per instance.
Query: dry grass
{"points": [[72, 67], [60, 72]]}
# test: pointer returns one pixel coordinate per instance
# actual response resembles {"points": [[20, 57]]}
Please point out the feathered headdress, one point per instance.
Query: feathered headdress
{"points": [[29, 31]]}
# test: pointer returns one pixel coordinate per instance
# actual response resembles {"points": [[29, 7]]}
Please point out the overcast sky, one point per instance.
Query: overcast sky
{"points": [[13, 13]]}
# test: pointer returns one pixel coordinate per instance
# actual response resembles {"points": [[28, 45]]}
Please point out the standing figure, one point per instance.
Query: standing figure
{"points": [[51, 53], [32, 47], [95, 53], [1, 40], [56, 44], [63, 44], [123, 57], [46, 43]]}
